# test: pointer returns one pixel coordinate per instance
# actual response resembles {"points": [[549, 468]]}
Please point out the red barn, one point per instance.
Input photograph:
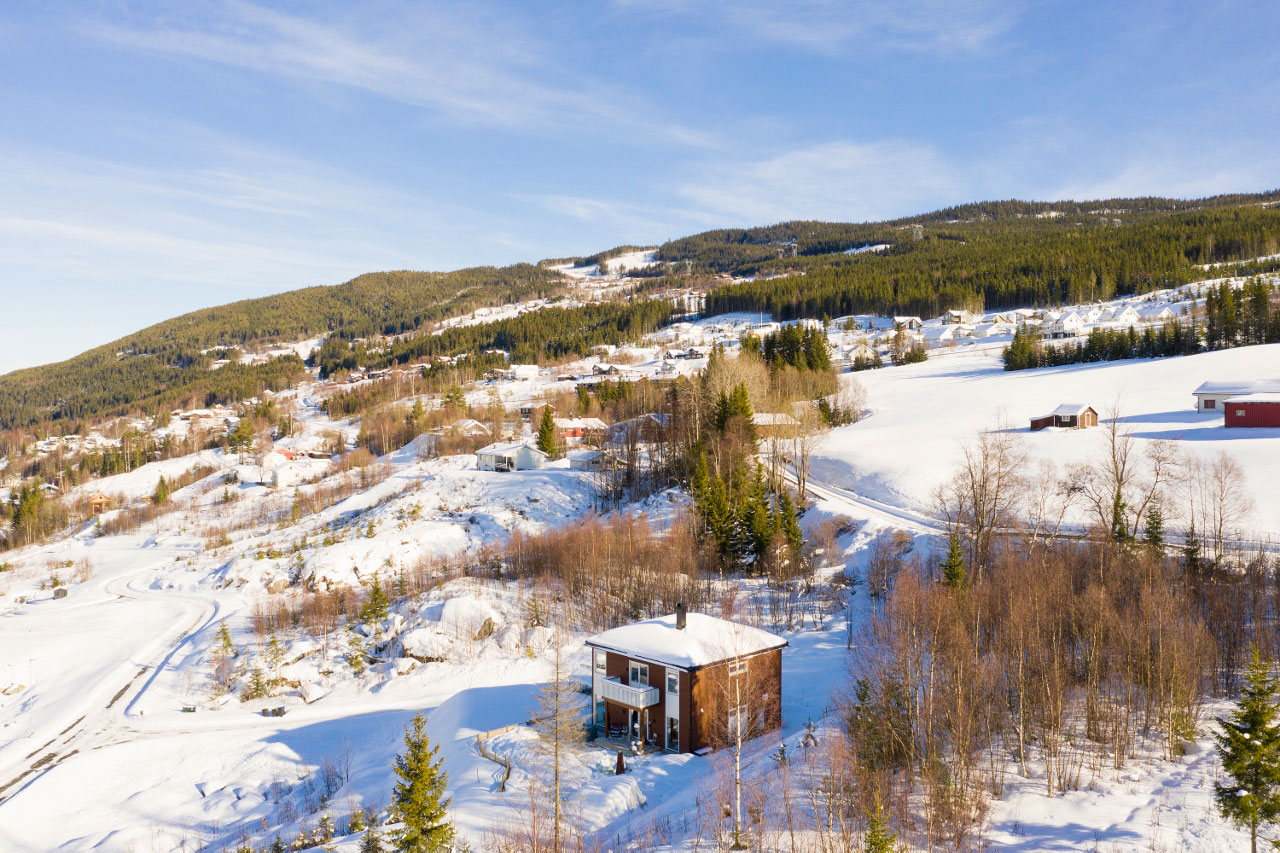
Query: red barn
{"points": [[1252, 410]]}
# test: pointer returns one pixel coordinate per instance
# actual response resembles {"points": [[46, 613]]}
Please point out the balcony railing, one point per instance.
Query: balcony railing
{"points": [[632, 696]]}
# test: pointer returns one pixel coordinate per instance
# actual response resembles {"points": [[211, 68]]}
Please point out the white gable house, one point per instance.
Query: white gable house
{"points": [[510, 456], [1067, 325]]}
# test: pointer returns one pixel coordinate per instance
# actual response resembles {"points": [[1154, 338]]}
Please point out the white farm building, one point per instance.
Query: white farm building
{"points": [[1210, 395], [510, 456]]}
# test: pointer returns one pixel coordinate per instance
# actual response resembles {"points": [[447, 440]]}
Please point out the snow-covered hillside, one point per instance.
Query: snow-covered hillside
{"points": [[918, 416], [113, 737]]}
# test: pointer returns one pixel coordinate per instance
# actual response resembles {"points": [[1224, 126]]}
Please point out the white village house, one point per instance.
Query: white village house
{"points": [[585, 460], [510, 456], [1210, 395], [958, 315], [1067, 325]]}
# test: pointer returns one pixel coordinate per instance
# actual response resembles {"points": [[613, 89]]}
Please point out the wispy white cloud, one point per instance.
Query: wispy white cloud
{"points": [[1179, 168], [846, 181], [944, 26], [641, 222], [96, 248], [454, 61]]}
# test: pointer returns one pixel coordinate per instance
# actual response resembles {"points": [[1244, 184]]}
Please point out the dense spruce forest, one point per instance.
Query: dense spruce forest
{"points": [[989, 264], [979, 256]]}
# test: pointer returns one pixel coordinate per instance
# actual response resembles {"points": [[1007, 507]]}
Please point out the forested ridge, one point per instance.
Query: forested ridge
{"points": [[982, 255], [978, 264], [166, 363]]}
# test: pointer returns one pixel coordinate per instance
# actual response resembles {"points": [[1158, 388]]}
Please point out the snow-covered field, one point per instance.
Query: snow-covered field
{"points": [[918, 416]]}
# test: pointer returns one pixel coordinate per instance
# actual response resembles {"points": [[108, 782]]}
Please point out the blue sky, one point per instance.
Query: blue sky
{"points": [[160, 157]]}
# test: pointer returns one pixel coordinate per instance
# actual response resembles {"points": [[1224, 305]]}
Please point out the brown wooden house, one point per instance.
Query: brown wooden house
{"points": [[99, 503], [681, 682], [1068, 416]]}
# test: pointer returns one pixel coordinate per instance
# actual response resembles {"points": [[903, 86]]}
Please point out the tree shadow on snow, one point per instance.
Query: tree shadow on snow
{"points": [[1187, 417], [1066, 836]]}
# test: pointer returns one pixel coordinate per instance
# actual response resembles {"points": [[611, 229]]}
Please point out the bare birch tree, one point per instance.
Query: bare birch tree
{"points": [[558, 718], [982, 496]]}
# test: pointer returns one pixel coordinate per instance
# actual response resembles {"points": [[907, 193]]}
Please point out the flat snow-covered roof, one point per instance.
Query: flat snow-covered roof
{"points": [[1255, 398], [704, 640], [1242, 386]]}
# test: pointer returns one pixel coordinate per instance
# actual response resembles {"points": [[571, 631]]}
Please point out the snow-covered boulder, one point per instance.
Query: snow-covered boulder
{"points": [[313, 690], [404, 666], [424, 644], [299, 649], [299, 674], [467, 617], [539, 638], [509, 638]]}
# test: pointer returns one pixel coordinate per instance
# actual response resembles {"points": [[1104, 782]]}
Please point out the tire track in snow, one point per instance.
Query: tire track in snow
{"points": [[78, 734]]}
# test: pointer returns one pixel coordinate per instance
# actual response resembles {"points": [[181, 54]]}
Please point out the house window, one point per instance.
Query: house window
{"points": [[1210, 404], [673, 733], [1239, 413], [738, 721], [600, 658], [599, 712], [673, 683], [639, 674], [737, 667]]}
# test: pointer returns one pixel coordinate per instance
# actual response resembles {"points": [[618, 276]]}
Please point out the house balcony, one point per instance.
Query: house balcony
{"points": [[638, 697]]}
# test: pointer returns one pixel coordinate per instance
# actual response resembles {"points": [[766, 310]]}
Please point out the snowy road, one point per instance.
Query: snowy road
{"points": [[80, 695]]}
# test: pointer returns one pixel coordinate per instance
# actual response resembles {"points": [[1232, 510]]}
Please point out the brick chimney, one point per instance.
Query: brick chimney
{"points": [[680, 614]]}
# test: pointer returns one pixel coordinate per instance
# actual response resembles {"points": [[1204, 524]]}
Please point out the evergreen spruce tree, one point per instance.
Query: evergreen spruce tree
{"points": [[240, 438], [224, 645], [161, 494], [758, 519], [719, 518], [1249, 746], [741, 514], [257, 686], [378, 605], [879, 837], [1153, 529], [419, 793], [1191, 562], [720, 413], [740, 404], [699, 483], [1119, 526], [417, 417], [455, 398], [547, 442], [790, 525], [953, 569], [372, 841]]}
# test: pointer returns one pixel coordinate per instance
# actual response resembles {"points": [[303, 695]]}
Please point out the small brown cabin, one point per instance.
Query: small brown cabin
{"points": [[685, 682], [99, 504], [1067, 416]]}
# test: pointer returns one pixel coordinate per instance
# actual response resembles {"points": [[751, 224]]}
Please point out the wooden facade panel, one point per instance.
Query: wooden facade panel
{"points": [[703, 701], [616, 716], [1251, 414]]}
